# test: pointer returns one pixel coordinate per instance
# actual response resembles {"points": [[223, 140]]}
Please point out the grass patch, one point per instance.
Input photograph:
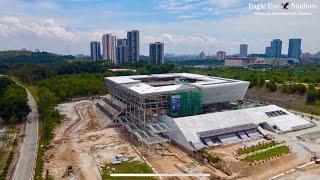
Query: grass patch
{"points": [[127, 167], [257, 147], [8, 161], [267, 154]]}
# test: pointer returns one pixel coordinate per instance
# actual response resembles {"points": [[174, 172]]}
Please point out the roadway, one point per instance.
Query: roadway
{"points": [[28, 152]]}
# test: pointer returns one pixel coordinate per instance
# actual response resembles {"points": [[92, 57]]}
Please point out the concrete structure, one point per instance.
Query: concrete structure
{"points": [[133, 43], [240, 61], [243, 50], [271, 61], [294, 50], [193, 110], [95, 51], [109, 47], [196, 132], [202, 55], [121, 51], [274, 51], [221, 55], [156, 53]]}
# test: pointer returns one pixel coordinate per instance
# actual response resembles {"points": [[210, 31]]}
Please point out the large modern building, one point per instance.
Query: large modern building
{"points": [[194, 111], [109, 47], [243, 50], [133, 43], [274, 51], [156, 53], [294, 48], [95, 51], [121, 51], [221, 55]]}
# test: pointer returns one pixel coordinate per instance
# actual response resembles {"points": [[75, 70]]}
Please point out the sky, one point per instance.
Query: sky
{"points": [[185, 26]]}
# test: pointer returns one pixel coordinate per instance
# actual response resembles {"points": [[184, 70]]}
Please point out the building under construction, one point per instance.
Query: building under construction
{"points": [[185, 108]]}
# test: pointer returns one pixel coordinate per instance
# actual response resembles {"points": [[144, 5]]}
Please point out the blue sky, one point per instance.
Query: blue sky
{"points": [[185, 26]]}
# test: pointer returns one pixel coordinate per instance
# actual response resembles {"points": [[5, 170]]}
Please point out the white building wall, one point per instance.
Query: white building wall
{"points": [[233, 63], [224, 92], [176, 135]]}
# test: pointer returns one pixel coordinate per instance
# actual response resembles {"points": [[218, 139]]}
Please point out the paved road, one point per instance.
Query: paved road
{"points": [[28, 152]]}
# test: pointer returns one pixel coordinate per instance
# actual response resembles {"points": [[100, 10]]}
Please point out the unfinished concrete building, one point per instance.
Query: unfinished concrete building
{"points": [[192, 110]]}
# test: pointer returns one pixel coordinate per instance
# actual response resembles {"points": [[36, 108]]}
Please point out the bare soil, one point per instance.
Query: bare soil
{"points": [[243, 170], [82, 143]]}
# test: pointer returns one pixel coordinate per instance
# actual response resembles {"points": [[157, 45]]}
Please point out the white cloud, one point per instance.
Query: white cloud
{"points": [[48, 5], [49, 28]]}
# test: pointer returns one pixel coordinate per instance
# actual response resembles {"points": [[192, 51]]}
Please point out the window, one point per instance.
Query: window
{"points": [[275, 113]]}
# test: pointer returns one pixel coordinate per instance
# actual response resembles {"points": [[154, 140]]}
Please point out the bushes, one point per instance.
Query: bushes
{"points": [[257, 147], [271, 86], [13, 101], [293, 88], [215, 159], [72, 86], [39, 164], [268, 154], [313, 95], [4, 172]]}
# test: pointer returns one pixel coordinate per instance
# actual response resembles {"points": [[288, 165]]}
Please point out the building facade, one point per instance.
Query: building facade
{"points": [[133, 44], [243, 50], [121, 51], [95, 51], [156, 53], [202, 55], [240, 61], [109, 47], [221, 55], [294, 48], [274, 51]]}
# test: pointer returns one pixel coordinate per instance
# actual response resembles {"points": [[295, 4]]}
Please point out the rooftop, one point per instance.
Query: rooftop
{"points": [[158, 83], [191, 126]]}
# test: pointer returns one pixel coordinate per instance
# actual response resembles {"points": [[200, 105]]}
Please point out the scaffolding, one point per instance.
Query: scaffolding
{"points": [[185, 103], [139, 112]]}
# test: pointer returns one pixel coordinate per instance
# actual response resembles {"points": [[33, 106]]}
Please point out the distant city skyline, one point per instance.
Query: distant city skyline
{"points": [[184, 26]]}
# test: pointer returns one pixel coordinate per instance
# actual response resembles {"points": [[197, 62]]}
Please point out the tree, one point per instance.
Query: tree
{"points": [[312, 96], [14, 103], [272, 86]]}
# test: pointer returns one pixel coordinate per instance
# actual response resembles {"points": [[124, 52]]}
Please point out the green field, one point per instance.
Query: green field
{"points": [[127, 167], [257, 147], [267, 154]]}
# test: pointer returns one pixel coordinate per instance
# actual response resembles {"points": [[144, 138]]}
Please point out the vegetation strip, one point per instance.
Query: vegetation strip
{"points": [[130, 166], [247, 150], [268, 154]]}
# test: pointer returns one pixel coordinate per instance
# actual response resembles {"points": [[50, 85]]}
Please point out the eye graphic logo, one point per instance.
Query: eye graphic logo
{"points": [[285, 5]]}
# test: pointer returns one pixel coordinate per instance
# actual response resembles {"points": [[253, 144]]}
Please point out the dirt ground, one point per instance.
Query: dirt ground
{"points": [[81, 142], [173, 160], [242, 170], [84, 142], [309, 172]]}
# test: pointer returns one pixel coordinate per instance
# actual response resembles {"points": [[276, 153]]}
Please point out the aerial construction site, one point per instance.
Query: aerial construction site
{"points": [[183, 126]]}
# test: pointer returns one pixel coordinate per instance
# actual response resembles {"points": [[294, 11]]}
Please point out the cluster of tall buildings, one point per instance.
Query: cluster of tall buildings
{"points": [[127, 49], [117, 50], [275, 48]]}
